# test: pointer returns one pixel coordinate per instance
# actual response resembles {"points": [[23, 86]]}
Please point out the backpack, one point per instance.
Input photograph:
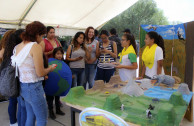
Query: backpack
{"points": [[10, 85], [118, 42]]}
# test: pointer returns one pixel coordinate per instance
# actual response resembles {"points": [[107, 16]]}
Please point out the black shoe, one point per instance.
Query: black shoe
{"points": [[59, 112], [52, 115]]}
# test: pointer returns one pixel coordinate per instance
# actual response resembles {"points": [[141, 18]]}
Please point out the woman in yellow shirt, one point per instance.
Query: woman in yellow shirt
{"points": [[153, 55]]}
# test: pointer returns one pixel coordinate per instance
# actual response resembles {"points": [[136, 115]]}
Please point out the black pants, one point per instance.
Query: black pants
{"points": [[50, 100]]}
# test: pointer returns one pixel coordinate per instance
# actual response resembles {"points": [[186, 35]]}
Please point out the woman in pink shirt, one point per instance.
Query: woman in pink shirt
{"points": [[50, 42], [48, 45]]}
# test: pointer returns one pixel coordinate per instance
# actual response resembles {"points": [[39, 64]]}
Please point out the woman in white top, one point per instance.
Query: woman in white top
{"points": [[128, 58], [28, 58], [153, 55]]}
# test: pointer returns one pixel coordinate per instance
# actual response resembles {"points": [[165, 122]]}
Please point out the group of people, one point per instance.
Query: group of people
{"points": [[89, 58], [22, 48]]}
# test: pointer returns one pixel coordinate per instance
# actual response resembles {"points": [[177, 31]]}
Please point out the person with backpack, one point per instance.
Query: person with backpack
{"points": [[76, 55], [6, 50], [3, 42], [115, 38], [28, 58], [107, 53]]}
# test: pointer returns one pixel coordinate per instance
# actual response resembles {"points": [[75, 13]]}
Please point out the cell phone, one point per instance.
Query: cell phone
{"points": [[102, 48]]}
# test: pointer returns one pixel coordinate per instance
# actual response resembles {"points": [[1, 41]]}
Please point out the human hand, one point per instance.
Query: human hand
{"points": [[78, 58], [115, 63], [89, 49], [49, 53], [45, 77], [103, 50], [52, 67], [119, 66]]}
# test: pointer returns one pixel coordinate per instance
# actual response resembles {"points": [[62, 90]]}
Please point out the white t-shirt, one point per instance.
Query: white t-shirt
{"points": [[126, 74], [158, 56]]}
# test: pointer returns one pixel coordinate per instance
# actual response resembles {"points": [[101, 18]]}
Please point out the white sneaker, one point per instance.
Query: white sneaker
{"points": [[15, 124]]}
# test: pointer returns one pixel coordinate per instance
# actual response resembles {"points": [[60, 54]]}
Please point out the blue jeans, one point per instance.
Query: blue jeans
{"points": [[104, 74], [12, 108], [21, 115], [78, 76], [90, 71], [35, 103]]}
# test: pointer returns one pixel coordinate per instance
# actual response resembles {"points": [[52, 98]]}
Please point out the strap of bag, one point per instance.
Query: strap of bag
{"points": [[16, 71], [71, 51]]}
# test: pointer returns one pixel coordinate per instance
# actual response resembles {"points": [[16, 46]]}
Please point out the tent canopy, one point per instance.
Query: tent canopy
{"points": [[68, 14]]}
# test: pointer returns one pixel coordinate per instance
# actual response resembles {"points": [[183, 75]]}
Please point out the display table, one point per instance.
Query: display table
{"points": [[134, 106]]}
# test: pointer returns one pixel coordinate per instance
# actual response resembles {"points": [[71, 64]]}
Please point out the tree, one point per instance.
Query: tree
{"points": [[142, 12]]}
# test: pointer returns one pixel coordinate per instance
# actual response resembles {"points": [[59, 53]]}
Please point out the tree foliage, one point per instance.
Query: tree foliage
{"points": [[142, 12]]}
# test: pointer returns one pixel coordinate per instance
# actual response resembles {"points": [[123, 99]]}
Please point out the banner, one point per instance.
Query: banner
{"points": [[174, 42]]}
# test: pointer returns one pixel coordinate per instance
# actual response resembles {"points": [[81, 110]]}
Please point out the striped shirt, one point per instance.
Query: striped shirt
{"points": [[106, 58]]}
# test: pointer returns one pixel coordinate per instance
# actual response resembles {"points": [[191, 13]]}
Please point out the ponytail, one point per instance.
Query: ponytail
{"points": [[157, 39], [161, 44], [132, 40]]}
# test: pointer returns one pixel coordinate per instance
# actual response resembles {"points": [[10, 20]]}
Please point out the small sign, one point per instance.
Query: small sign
{"points": [[98, 117]]}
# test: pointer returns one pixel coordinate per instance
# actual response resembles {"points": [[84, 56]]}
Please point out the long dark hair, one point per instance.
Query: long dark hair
{"points": [[48, 28], [5, 38], [132, 40], [12, 41], [58, 49], [157, 39], [75, 42]]}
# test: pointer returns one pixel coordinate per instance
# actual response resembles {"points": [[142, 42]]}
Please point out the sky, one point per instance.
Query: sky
{"points": [[167, 31], [177, 10]]}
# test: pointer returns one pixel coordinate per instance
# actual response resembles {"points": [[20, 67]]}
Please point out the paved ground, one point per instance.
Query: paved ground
{"points": [[60, 120]]}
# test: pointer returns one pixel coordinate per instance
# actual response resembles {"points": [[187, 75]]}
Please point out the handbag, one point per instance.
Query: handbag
{"points": [[9, 84], [9, 75]]}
